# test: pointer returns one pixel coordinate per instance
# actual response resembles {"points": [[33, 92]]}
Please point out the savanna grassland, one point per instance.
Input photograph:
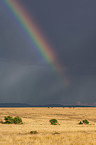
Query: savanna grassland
{"points": [[69, 132]]}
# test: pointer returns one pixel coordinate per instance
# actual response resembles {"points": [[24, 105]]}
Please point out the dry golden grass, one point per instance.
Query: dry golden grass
{"points": [[69, 132]]}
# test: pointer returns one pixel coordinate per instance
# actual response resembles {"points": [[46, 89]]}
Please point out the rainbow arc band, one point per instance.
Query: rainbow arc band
{"points": [[33, 33]]}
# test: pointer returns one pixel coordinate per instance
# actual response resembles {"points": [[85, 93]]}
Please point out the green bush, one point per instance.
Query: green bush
{"points": [[85, 121], [53, 122], [80, 122], [8, 120], [18, 120], [33, 132], [11, 120]]}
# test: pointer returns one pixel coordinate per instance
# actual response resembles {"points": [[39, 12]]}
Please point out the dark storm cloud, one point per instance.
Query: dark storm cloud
{"points": [[13, 45], [28, 83], [70, 27]]}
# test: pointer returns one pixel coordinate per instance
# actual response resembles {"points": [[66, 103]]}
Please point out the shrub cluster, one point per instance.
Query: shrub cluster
{"points": [[33, 132], [11, 120], [84, 122], [53, 122]]}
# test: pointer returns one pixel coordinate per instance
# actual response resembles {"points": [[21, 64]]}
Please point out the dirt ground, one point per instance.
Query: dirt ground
{"points": [[69, 132]]}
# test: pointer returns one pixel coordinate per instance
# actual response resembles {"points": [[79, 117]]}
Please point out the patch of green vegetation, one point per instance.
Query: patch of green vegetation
{"points": [[53, 121], [33, 132], [18, 120], [8, 120], [80, 122], [11, 120], [84, 122]]}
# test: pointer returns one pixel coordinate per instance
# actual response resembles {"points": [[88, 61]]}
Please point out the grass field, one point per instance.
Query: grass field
{"points": [[69, 132]]}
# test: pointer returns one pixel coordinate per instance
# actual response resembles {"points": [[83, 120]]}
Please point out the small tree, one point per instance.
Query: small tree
{"points": [[18, 120]]}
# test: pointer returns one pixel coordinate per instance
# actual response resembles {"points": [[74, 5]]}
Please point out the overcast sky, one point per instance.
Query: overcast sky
{"points": [[70, 28]]}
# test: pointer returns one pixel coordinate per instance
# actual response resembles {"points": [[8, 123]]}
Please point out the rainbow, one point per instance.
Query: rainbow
{"points": [[33, 33]]}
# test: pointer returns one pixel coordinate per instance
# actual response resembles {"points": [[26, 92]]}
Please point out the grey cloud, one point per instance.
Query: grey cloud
{"points": [[82, 89], [34, 84], [69, 26]]}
